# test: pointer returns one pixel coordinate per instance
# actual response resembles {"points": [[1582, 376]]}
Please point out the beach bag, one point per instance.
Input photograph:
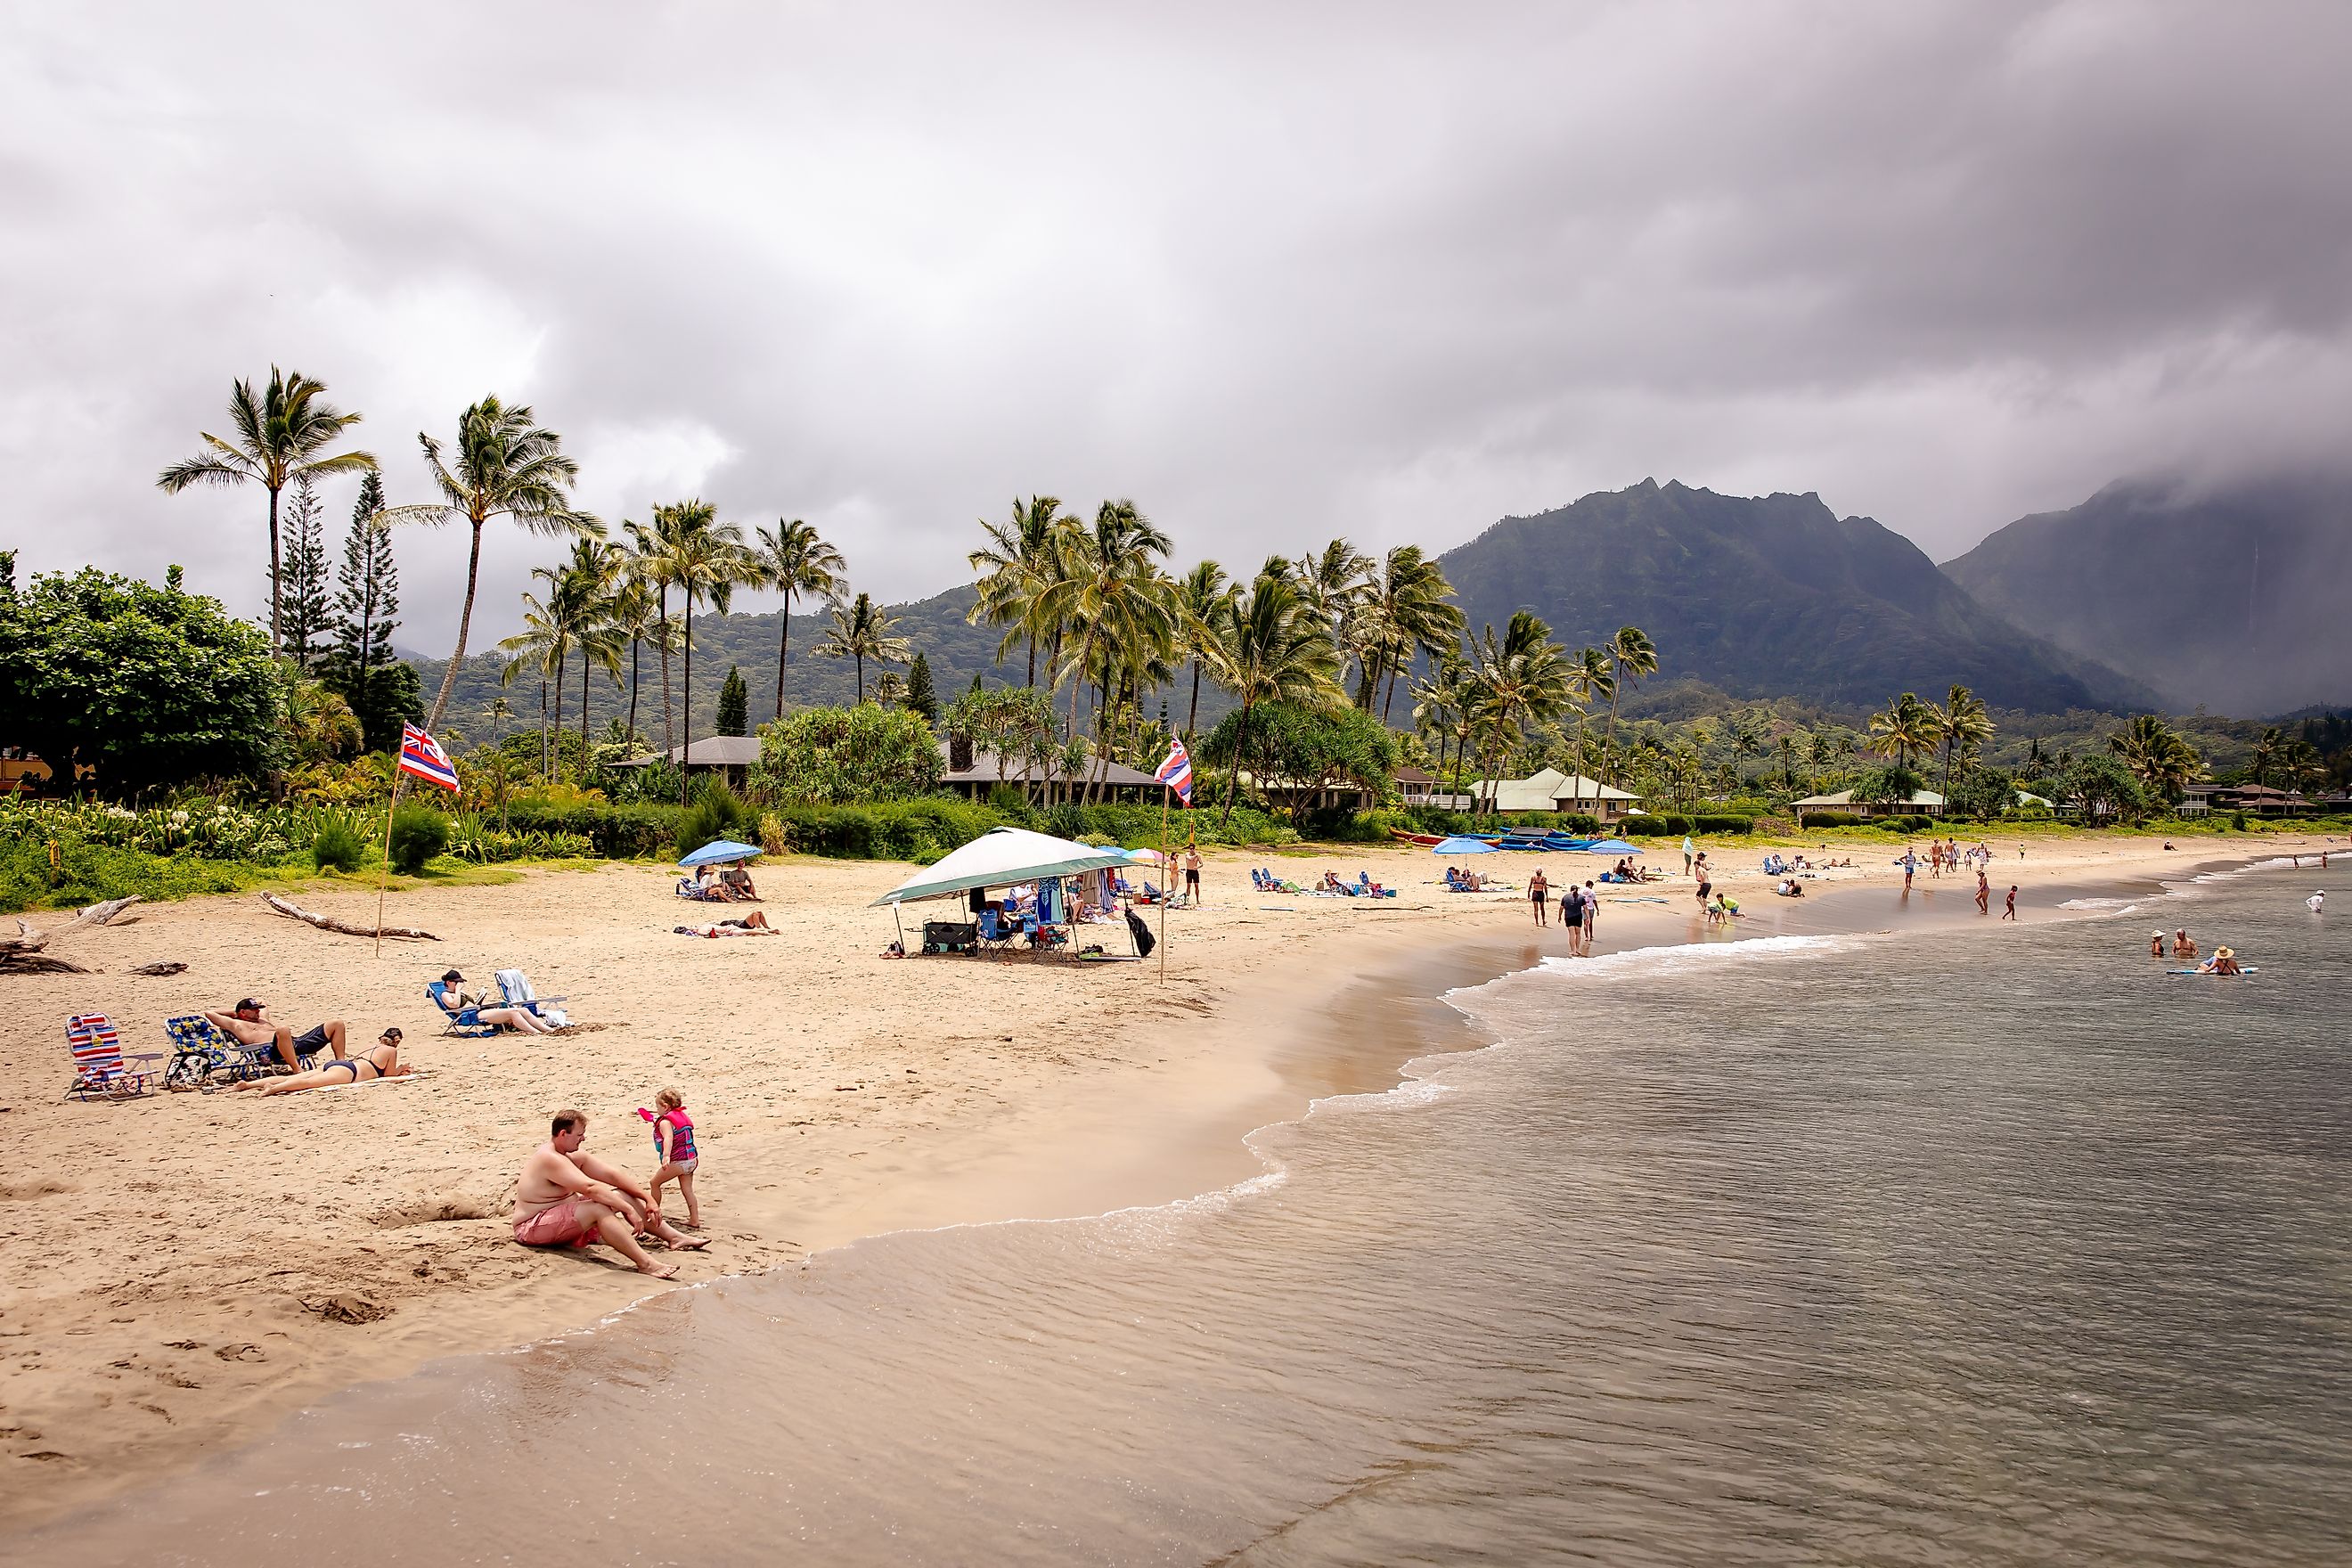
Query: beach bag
{"points": [[1144, 941]]}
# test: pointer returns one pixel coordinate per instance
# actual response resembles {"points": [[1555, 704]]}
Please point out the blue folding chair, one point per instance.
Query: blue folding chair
{"points": [[464, 1023]]}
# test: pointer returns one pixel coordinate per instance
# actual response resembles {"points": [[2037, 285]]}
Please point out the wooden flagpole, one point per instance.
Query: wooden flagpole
{"points": [[1167, 869], [384, 866]]}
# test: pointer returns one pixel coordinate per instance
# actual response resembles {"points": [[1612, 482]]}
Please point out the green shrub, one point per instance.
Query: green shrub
{"points": [[418, 834], [87, 873], [616, 832], [1676, 822], [716, 813], [337, 847]]}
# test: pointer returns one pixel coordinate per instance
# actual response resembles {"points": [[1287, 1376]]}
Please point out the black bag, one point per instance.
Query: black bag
{"points": [[1144, 941]]}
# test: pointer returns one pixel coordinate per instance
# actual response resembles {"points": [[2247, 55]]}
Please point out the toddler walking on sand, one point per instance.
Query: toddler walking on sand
{"points": [[674, 1147]]}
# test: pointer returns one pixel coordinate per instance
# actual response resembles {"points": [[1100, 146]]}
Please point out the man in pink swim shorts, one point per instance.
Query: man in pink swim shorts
{"points": [[565, 1197]]}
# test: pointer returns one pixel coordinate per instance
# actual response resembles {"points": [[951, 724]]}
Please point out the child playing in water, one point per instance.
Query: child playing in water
{"points": [[674, 1145]]}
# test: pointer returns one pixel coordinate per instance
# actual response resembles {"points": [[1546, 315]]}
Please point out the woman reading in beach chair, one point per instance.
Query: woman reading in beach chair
{"points": [[494, 1012]]}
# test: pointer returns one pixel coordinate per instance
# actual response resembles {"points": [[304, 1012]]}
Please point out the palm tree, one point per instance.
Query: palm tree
{"points": [[2157, 755], [1111, 590], [861, 631], [542, 646], [501, 712], [1907, 726], [1631, 658], [506, 466], [281, 436], [1962, 724], [1405, 607], [702, 558], [795, 559], [587, 591], [1436, 705], [1205, 608], [1277, 648], [1021, 559], [1590, 679], [634, 612], [1519, 680], [2270, 750]]}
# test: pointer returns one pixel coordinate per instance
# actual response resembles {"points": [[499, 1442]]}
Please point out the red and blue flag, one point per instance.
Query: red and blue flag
{"points": [[1176, 773], [421, 754]]}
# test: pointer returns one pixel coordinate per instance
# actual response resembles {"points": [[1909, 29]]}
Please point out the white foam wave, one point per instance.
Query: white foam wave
{"points": [[1675, 955], [2114, 906]]}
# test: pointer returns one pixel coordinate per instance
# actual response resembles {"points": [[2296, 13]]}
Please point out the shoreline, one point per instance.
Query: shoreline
{"points": [[1073, 1123]]}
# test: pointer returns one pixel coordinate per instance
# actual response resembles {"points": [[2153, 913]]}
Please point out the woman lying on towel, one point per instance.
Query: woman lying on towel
{"points": [[753, 924], [379, 1061]]}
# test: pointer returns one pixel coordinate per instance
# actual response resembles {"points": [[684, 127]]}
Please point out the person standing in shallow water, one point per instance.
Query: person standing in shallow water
{"points": [[1592, 909], [1572, 919], [1984, 894]]}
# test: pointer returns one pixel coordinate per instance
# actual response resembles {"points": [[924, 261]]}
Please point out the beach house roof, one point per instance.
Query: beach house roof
{"points": [[1844, 800], [1577, 787], [982, 771], [710, 751], [1545, 790]]}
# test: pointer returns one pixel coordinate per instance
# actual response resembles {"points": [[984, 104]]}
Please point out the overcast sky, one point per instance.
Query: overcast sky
{"points": [[1276, 273]]}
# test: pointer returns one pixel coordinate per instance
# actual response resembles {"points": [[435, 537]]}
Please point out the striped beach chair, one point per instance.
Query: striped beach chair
{"points": [[100, 1072]]}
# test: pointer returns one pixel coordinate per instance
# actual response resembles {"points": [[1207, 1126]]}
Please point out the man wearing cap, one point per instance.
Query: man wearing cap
{"points": [[248, 1023]]}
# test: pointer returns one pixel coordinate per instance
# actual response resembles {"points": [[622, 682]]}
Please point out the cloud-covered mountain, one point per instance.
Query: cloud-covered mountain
{"points": [[2224, 598], [1767, 596]]}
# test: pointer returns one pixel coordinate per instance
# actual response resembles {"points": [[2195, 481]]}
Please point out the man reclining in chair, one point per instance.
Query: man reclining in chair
{"points": [[248, 1025]]}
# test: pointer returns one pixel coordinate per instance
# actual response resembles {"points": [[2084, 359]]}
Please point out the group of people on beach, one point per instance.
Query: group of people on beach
{"points": [[1580, 911], [2224, 961]]}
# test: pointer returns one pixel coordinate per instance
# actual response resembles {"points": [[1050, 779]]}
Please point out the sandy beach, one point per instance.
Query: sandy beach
{"points": [[187, 1269]]}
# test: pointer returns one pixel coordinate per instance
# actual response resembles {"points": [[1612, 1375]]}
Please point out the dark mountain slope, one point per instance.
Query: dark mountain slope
{"points": [[1763, 598], [2232, 599]]}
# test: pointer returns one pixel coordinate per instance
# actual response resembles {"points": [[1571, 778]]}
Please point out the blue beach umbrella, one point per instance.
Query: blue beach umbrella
{"points": [[720, 850], [1613, 847], [1461, 843]]}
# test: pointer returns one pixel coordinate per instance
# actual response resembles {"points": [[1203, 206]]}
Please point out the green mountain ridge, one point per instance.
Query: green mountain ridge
{"points": [[1767, 597]]}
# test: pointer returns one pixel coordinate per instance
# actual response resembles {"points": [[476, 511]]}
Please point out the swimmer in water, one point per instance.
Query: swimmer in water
{"points": [[2318, 902], [2156, 944]]}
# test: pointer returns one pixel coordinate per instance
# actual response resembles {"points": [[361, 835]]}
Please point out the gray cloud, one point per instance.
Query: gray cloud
{"points": [[1389, 272]]}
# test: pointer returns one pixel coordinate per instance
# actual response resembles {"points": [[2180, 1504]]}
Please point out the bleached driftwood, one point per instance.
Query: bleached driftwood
{"points": [[328, 922], [25, 953]]}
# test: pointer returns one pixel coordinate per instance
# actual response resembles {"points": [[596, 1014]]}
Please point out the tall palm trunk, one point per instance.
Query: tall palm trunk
{"points": [[669, 721], [273, 573], [687, 643], [542, 725], [784, 642], [555, 763], [1609, 746], [1233, 775], [583, 717], [636, 650], [464, 625], [1192, 712], [861, 679]]}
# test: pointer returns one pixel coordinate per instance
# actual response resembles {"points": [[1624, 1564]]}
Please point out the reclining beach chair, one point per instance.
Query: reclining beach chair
{"points": [[99, 1072], [461, 1023], [201, 1053], [995, 936], [515, 987]]}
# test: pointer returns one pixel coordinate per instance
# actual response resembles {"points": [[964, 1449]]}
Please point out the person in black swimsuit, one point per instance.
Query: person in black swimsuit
{"points": [[379, 1061]]}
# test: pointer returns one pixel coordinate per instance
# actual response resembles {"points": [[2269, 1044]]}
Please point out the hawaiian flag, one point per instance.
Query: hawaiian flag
{"points": [[1176, 773], [421, 754]]}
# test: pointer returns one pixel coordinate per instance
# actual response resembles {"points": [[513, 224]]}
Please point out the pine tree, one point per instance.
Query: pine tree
{"points": [[381, 689], [303, 592], [734, 703], [920, 695]]}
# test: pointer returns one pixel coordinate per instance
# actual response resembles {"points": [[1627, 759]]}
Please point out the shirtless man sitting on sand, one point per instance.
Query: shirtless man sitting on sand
{"points": [[567, 1198], [248, 1025]]}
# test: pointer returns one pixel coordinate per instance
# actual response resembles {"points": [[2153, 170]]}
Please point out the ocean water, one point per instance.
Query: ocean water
{"points": [[1972, 1246]]}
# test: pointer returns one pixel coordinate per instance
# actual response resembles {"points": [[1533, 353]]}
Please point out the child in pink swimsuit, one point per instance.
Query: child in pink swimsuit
{"points": [[673, 1146]]}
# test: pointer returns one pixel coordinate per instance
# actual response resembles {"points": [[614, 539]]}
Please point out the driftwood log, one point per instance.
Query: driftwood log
{"points": [[328, 922], [25, 952]]}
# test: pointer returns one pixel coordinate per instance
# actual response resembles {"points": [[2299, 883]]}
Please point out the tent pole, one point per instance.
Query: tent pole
{"points": [[901, 926]]}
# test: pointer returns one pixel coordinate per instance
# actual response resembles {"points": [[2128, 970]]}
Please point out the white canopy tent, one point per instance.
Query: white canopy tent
{"points": [[998, 858]]}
